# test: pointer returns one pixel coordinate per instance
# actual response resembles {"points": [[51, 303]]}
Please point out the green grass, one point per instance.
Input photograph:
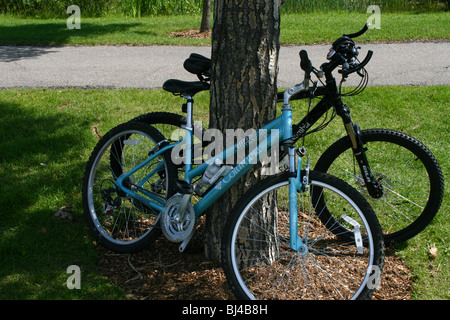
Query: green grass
{"points": [[309, 6], [95, 31], [47, 138], [405, 26], [295, 29], [52, 8]]}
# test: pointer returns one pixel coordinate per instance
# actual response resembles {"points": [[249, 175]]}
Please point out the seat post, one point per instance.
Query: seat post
{"points": [[189, 109], [189, 135]]}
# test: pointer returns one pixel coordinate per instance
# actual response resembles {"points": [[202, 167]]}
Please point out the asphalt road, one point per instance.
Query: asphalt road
{"points": [[414, 63]]}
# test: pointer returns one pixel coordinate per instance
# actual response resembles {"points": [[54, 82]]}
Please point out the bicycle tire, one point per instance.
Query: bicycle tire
{"points": [[398, 161], [167, 123], [121, 223], [330, 268]]}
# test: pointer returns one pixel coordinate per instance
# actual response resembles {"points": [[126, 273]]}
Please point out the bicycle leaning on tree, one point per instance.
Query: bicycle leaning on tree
{"points": [[300, 234], [397, 174]]}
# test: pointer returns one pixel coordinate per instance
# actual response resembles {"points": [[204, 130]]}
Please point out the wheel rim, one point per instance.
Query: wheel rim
{"points": [[131, 220], [405, 181], [312, 261]]}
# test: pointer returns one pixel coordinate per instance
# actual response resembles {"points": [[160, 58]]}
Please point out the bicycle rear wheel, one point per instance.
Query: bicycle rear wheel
{"points": [[171, 125], [121, 222], [412, 180], [260, 264]]}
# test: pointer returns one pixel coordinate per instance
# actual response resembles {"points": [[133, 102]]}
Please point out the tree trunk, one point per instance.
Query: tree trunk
{"points": [[206, 16], [245, 48]]}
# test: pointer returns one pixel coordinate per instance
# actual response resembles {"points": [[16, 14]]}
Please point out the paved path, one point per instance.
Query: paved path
{"points": [[418, 63]]}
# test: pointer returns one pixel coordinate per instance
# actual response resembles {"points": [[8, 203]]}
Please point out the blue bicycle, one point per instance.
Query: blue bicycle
{"points": [[277, 243]]}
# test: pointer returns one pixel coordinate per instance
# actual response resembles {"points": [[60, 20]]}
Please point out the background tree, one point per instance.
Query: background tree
{"points": [[245, 48], [206, 16]]}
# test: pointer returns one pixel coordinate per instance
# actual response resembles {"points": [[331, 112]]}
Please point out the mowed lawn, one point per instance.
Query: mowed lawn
{"points": [[162, 30], [47, 136]]}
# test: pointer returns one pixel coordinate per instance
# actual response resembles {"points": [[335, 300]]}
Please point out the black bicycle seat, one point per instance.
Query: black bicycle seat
{"points": [[188, 88], [198, 64]]}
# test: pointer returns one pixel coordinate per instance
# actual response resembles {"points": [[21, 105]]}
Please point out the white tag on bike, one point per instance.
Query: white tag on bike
{"points": [[356, 231], [131, 142]]}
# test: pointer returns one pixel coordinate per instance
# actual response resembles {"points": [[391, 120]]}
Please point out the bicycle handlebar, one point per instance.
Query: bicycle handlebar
{"points": [[343, 52], [362, 64], [359, 33]]}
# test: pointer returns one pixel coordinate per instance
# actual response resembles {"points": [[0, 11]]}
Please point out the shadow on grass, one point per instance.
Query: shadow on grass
{"points": [[56, 33], [41, 169]]}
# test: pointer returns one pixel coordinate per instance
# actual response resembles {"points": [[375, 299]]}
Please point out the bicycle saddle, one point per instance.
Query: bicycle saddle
{"points": [[185, 88], [198, 64]]}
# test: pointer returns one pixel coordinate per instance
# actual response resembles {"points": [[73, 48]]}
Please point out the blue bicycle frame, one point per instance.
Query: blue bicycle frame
{"points": [[278, 130]]}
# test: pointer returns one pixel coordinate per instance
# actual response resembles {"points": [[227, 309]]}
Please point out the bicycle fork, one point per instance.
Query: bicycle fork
{"points": [[374, 187], [297, 183]]}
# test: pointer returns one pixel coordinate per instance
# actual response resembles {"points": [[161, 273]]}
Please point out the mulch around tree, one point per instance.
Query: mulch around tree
{"points": [[192, 34], [161, 272]]}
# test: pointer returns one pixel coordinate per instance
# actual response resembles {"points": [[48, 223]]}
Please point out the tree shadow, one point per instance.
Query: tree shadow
{"points": [[34, 150], [16, 53], [34, 171], [56, 33]]}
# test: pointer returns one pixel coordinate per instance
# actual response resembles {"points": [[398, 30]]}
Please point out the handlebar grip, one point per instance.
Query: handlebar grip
{"points": [[305, 63], [357, 34]]}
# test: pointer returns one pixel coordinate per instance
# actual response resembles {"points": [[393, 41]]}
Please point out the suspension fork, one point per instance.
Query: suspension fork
{"points": [[374, 187], [297, 184]]}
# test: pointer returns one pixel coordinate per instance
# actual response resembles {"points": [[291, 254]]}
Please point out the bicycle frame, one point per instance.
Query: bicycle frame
{"points": [[331, 98], [279, 130], [289, 134]]}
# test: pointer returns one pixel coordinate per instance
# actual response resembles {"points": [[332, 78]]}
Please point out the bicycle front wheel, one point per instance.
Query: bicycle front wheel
{"points": [[260, 263], [412, 180]]}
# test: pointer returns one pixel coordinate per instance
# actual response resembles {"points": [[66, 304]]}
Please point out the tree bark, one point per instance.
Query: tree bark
{"points": [[206, 16], [245, 48]]}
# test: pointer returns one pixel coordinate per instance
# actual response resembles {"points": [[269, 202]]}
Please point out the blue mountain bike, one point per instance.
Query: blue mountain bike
{"points": [[299, 234]]}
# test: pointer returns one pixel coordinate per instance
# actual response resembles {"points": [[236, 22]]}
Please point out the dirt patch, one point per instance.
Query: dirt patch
{"points": [[396, 282], [193, 34], [162, 273]]}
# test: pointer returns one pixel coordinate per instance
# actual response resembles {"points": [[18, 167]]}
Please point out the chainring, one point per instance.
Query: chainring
{"points": [[174, 227]]}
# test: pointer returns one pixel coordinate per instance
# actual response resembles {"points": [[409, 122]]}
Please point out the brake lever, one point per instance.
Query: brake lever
{"points": [[345, 71], [361, 65]]}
